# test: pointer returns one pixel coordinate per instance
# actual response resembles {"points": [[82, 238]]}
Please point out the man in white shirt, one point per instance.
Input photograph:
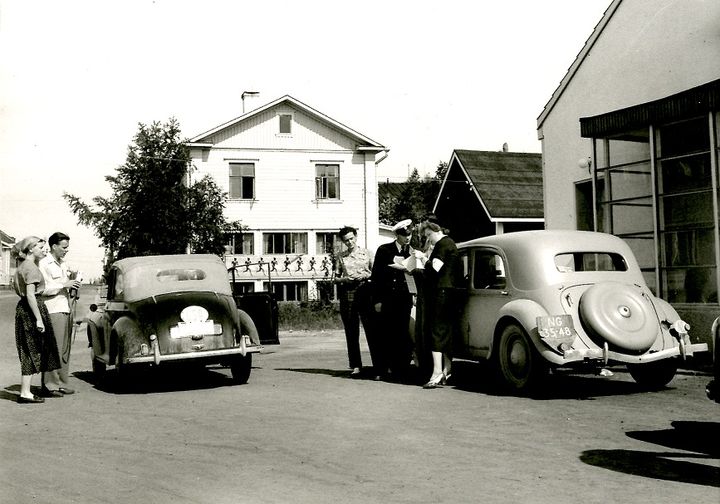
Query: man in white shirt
{"points": [[57, 291]]}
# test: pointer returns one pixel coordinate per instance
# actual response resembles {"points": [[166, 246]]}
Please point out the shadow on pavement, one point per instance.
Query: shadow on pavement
{"points": [[560, 385], [155, 380], [478, 378], [697, 440]]}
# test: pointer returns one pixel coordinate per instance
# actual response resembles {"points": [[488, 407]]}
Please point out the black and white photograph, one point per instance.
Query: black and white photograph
{"points": [[384, 252]]}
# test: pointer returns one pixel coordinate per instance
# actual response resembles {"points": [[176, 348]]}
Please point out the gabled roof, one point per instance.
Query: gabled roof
{"points": [[589, 43], [6, 239], [508, 185], [366, 143]]}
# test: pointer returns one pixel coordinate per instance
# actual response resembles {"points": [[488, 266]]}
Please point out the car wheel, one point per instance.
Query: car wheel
{"points": [[619, 314], [240, 368], [654, 375], [128, 375], [98, 368], [520, 366]]}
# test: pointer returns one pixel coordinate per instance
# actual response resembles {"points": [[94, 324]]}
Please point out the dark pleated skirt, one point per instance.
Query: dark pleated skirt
{"points": [[38, 352]]}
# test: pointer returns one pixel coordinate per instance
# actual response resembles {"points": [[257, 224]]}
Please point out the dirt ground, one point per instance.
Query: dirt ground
{"points": [[302, 431]]}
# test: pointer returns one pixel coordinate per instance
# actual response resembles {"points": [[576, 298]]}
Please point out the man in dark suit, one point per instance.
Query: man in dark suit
{"points": [[393, 303]]}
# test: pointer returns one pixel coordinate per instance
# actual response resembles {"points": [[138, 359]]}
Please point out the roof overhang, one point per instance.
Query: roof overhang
{"points": [[690, 103], [517, 219], [368, 143]]}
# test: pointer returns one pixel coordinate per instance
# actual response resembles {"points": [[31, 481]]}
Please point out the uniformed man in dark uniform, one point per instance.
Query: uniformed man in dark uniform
{"points": [[393, 302]]}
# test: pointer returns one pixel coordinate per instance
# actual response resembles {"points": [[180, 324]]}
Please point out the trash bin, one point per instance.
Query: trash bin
{"points": [[263, 310]]}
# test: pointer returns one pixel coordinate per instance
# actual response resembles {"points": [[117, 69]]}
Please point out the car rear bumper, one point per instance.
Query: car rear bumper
{"points": [[605, 355], [156, 357]]}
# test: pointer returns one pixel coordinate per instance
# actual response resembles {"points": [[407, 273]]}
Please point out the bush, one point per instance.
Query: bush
{"points": [[309, 315]]}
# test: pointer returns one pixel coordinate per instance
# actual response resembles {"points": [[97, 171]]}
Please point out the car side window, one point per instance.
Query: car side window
{"points": [[465, 268], [488, 271], [119, 286]]}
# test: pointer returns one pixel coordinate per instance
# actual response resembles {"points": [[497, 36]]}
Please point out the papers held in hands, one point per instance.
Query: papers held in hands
{"points": [[406, 263]]}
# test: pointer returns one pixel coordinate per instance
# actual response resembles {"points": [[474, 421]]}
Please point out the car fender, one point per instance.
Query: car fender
{"points": [[525, 313], [127, 336], [246, 326], [664, 310], [97, 340]]}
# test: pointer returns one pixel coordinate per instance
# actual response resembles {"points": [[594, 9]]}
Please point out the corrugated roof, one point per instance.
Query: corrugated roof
{"points": [[691, 102], [508, 183], [391, 190]]}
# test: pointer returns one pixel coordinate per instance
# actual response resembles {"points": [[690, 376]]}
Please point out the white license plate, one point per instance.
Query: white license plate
{"points": [[187, 329]]}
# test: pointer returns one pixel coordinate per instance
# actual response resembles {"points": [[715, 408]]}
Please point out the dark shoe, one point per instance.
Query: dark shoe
{"points": [[446, 379], [377, 378], [30, 400], [66, 390], [46, 392]]}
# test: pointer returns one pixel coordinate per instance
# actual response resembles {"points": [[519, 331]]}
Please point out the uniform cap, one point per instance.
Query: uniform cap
{"points": [[402, 227]]}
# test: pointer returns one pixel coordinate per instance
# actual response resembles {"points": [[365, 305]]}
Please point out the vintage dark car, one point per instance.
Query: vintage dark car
{"points": [[171, 308], [542, 299]]}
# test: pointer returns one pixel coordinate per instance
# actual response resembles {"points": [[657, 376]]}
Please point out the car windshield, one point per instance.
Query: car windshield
{"points": [[590, 261]]}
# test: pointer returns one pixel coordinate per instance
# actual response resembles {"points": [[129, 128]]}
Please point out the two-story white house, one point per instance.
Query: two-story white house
{"points": [[294, 177]]}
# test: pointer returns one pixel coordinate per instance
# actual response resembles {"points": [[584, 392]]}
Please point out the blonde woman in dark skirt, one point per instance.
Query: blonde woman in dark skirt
{"points": [[36, 345]]}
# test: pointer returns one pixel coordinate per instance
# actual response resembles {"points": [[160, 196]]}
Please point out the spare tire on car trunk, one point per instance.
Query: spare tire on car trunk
{"points": [[619, 314]]}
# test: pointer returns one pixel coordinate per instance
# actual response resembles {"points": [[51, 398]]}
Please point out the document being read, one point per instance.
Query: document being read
{"points": [[406, 263]]}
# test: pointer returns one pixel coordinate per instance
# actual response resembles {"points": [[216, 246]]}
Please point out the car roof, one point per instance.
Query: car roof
{"points": [[174, 259], [537, 249], [141, 275]]}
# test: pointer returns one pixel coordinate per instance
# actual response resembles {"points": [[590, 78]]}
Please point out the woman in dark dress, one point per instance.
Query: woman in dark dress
{"points": [[36, 345], [442, 278]]}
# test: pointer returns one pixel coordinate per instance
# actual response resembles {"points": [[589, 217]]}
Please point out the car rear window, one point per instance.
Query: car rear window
{"points": [[590, 261], [180, 275]]}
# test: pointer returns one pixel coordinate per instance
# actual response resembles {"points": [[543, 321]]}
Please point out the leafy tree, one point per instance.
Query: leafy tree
{"points": [[440, 171], [415, 200], [153, 209]]}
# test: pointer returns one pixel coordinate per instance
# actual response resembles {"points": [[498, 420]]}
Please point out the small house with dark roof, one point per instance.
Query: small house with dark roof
{"points": [[6, 268], [485, 193]]}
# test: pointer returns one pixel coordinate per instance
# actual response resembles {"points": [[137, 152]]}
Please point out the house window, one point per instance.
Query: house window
{"points": [[240, 288], [285, 243], [685, 208], [239, 243], [285, 124], [327, 181], [288, 291], [662, 204], [242, 181], [326, 243], [624, 195]]}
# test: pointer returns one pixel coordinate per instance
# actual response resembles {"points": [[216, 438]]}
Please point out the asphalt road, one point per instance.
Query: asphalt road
{"points": [[302, 431]]}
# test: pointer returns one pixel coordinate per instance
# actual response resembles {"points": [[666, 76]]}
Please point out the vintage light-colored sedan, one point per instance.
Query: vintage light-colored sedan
{"points": [[171, 308], [542, 299]]}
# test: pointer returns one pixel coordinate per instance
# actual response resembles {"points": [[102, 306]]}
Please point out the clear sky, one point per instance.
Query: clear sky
{"points": [[422, 78]]}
